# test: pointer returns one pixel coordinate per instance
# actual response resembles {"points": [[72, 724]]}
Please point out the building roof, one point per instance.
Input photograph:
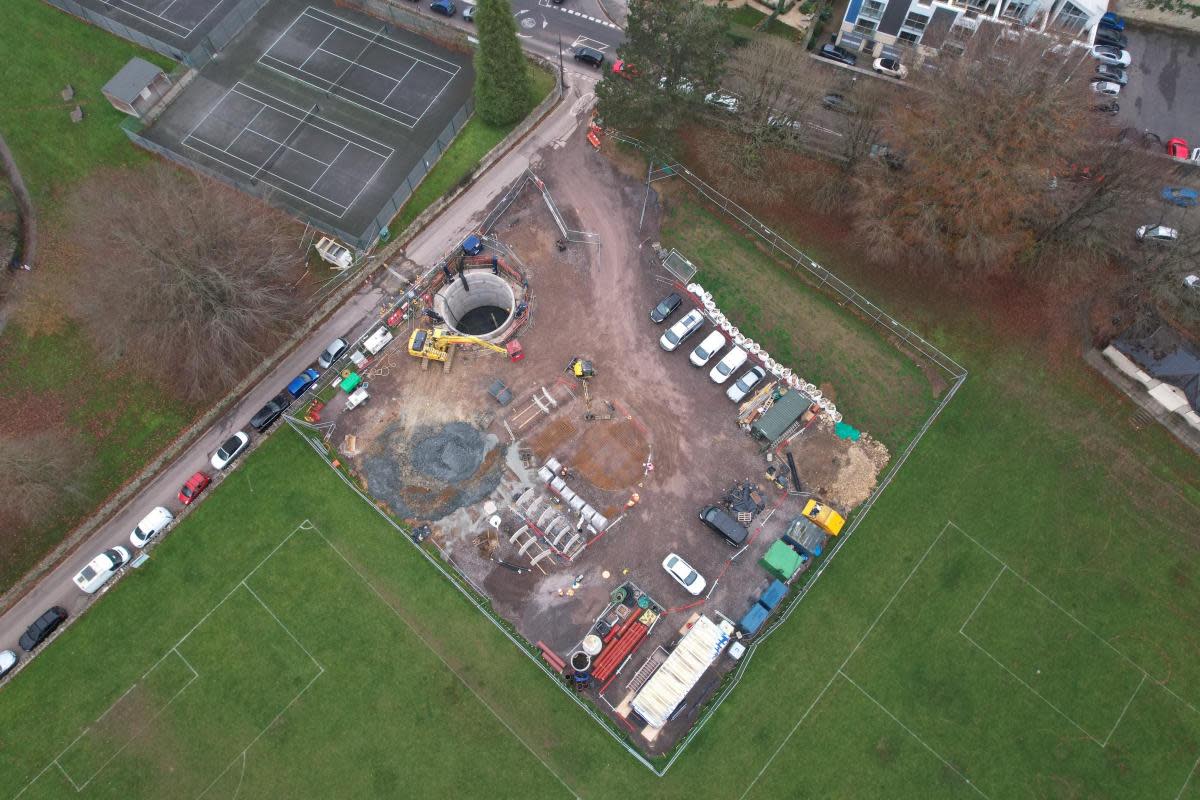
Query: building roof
{"points": [[1169, 359], [127, 84]]}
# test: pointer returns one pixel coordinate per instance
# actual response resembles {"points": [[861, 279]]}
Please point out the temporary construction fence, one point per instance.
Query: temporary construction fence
{"points": [[571, 235], [200, 54], [363, 240]]}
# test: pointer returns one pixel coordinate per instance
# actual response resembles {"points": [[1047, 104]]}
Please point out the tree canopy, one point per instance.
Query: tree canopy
{"points": [[503, 92]]}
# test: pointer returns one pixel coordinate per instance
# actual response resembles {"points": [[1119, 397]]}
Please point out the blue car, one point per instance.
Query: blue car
{"points": [[1112, 22], [444, 7], [1181, 196], [301, 382]]}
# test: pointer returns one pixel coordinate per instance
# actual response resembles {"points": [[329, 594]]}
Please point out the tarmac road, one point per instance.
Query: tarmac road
{"points": [[349, 321]]}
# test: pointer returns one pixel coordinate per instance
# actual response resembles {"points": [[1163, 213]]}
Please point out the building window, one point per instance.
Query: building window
{"points": [[911, 37], [1072, 19], [916, 21], [1017, 9], [866, 27], [872, 9]]}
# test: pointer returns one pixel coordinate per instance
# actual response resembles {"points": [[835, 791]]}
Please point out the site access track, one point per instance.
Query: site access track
{"points": [[56, 587]]}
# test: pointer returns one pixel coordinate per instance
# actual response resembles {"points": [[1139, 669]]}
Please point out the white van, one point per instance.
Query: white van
{"points": [[708, 348], [151, 525], [682, 329], [101, 568], [727, 365]]}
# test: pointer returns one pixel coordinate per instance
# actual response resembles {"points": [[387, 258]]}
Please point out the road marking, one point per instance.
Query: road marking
{"points": [[572, 12]]}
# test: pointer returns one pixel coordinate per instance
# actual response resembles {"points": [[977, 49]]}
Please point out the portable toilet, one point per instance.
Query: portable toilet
{"points": [[753, 619], [773, 595]]}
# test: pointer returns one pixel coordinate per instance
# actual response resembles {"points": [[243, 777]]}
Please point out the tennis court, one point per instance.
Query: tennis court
{"points": [[293, 150], [360, 64]]}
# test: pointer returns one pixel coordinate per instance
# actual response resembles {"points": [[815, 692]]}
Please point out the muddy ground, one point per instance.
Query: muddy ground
{"points": [[434, 447]]}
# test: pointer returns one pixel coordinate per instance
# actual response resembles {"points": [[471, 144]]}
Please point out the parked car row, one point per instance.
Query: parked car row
{"points": [[101, 569], [703, 353], [1109, 50]]}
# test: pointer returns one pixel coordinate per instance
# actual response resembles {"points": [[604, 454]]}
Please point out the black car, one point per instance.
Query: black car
{"points": [[1111, 72], [726, 526], [1114, 38], [836, 102], [271, 411], [666, 307], [590, 56], [1112, 107], [42, 627], [838, 54]]}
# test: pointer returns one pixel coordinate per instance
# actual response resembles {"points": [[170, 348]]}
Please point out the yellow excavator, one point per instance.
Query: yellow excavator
{"points": [[438, 344]]}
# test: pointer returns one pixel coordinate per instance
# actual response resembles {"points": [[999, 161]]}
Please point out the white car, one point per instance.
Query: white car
{"points": [[742, 386], [336, 349], [1108, 54], [728, 365], [723, 100], [101, 568], [685, 327], [891, 67], [1106, 88], [683, 574], [8, 660], [231, 449], [1157, 233], [708, 348], [151, 525]]}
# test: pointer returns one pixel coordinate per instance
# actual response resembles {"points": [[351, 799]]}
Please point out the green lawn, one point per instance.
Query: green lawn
{"points": [[745, 18], [44, 50], [802, 328], [121, 421], [476, 140]]}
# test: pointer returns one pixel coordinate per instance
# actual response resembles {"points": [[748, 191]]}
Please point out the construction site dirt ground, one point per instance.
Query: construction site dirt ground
{"points": [[433, 447]]}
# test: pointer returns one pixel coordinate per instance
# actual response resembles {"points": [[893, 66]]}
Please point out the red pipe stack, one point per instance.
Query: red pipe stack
{"points": [[619, 645]]}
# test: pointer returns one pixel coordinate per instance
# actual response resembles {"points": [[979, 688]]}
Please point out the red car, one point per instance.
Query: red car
{"points": [[194, 486], [626, 71], [1177, 148]]}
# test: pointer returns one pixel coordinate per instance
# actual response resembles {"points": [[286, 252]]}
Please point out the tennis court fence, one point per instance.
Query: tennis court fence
{"points": [[200, 54], [363, 240]]}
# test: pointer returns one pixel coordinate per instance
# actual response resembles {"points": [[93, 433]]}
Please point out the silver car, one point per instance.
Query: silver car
{"points": [[742, 386]]}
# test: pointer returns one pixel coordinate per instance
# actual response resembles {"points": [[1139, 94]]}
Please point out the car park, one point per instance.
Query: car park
{"points": [[681, 330], [101, 568], [230, 449], [1178, 148], [590, 56], [890, 67], [743, 385], [468, 14], [1111, 55], [1107, 72], [1111, 38], [837, 102], [1181, 196], [444, 7], [272, 411], [301, 383], [337, 348], [1157, 233], [838, 54], [684, 575], [8, 660], [718, 519], [728, 364], [1106, 88], [708, 348], [42, 627], [193, 487], [665, 308], [154, 523]]}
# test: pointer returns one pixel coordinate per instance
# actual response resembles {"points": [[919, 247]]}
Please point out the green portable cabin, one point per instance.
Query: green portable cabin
{"points": [[779, 417], [781, 561]]}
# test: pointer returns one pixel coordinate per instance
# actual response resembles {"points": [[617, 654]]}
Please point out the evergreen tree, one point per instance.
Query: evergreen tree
{"points": [[503, 92]]}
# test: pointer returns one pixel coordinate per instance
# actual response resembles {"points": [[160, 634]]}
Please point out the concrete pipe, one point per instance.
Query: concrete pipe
{"points": [[481, 306]]}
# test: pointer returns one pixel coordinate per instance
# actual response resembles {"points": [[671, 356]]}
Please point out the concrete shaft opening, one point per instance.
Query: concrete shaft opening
{"points": [[482, 305]]}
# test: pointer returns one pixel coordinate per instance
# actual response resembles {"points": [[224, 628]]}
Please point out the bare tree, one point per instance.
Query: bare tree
{"points": [[36, 473], [980, 142], [774, 85], [188, 275]]}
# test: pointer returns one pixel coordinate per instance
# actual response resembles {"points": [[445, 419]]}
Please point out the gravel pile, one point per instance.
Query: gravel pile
{"points": [[450, 454]]}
